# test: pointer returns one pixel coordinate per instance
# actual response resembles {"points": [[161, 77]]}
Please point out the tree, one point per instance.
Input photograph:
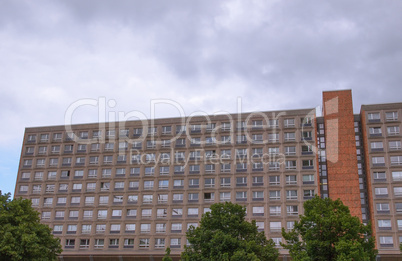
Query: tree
{"points": [[22, 236], [327, 231], [167, 255], [223, 234]]}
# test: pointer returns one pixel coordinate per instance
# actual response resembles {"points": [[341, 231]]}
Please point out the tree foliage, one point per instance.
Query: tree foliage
{"points": [[167, 255], [22, 236], [223, 234], [327, 231]]}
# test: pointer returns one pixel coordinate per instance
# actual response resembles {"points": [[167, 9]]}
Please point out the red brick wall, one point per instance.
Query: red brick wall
{"points": [[343, 178]]}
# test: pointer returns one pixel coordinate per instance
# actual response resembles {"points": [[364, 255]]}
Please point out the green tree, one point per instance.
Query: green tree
{"points": [[223, 234], [167, 255], [327, 231], [22, 236]]}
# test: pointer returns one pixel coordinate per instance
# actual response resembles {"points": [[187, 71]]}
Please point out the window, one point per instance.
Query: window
{"points": [[290, 225], [75, 200], [114, 243], [377, 146], [195, 155], [209, 183], [192, 212], [130, 228], [225, 182], [133, 185], [177, 197], [378, 161], [70, 243], [241, 167], [394, 145], [391, 116], [308, 179], [273, 151], [381, 192], [162, 198], [210, 168], [241, 196], [115, 228], [258, 195], [273, 123], [273, 137], [35, 201], [209, 196], [290, 136], [224, 196], [382, 208], [161, 212], [241, 181], [179, 169], [291, 194], [38, 175], [147, 199], [132, 199], [226, 139], [308, 164], [178, 183], [194, 169], [375, 131], [40, 162], [258, 180], [291, 180], [288, 123], [131, 213], [144, 243], [36, 188], [102, 214], [71, 229], [116, 213], [135, 171], [163, 184], [175, 242], [225, 167], [160, 228], [398, 191], [146, 212], [373, 116], [59, 215], [181, 142], [396, 160], [88, 214], [193, 183], [396, 175], [386, 241], [274, 194], [292, 210], [384, 224], [95, 147], [100, 228], [290, 164], [275, 210], [274, 180], [393, 130], [92, 173], [86, 229], [258, 211], [275, 226], [379, 176], [77, 187], [89, 201], [308, 193]]}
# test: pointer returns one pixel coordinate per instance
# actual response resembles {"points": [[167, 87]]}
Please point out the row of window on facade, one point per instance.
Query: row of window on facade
{"points": [[291, 210], [192, 128], [146, 228], [379, 161], [159, 243], [181, 142], [161, 198], [143, 243], [99, 243], [241, 165], [377, 131], [378, 146], [376, 116], [225, 182]]}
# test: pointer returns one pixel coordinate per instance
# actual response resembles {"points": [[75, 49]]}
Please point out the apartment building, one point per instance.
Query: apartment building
{"points": [[128, 190]]}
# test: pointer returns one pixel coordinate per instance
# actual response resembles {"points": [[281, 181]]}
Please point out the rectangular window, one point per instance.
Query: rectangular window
{"points": [[391, 116]]}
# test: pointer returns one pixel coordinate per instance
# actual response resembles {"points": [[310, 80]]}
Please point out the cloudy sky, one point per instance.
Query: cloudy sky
{"points": [[200, 54]]}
